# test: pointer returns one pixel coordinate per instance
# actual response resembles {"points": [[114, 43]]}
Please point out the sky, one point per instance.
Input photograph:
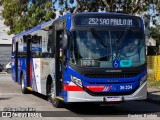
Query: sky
{"points": [[58, 7], [152, 11]]}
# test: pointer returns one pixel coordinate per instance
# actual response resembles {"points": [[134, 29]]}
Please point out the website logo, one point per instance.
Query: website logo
{"points": [[7, 114]]}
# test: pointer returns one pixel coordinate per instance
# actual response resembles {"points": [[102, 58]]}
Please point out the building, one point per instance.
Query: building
{"points": [[5, 41]]}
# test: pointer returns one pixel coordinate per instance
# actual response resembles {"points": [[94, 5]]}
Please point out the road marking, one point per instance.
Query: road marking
{"points": [[3, 73], [11, 94]]}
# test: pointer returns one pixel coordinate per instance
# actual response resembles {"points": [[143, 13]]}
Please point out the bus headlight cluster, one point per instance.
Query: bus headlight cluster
{"points": [[143, 79], [77, 81]]}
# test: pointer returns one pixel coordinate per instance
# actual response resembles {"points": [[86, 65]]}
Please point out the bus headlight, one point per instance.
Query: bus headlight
{"points": [[143, 79], [77, 81]]}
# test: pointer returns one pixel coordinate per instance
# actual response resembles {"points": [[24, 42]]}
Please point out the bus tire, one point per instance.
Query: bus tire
{"points": [[8, 70], [23, 88], [55, 102]]}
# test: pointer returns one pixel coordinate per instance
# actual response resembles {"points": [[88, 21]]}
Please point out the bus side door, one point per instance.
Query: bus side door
{"points": [[59, 54], [28, 56]]}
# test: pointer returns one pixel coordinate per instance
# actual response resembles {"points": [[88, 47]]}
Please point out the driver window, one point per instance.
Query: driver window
{"points": [[131, 50]]}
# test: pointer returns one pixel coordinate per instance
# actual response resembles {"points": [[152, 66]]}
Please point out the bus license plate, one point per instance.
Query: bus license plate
{"points": [[113, 99]]}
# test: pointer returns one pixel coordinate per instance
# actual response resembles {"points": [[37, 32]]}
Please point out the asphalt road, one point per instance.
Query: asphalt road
{"points": [[12, 98]]}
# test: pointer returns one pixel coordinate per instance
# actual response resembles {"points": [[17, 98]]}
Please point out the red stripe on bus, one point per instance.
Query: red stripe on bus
{"points": [[77, 88], [72, 88], [95, 88]]}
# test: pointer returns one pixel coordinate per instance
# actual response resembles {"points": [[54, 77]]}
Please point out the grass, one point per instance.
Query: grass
{"points": [[152, 82]]}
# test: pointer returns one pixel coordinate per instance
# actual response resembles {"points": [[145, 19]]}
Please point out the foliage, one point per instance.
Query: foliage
{"points": [[20, 16], [133, 7], [152, 82], [125, 6]]}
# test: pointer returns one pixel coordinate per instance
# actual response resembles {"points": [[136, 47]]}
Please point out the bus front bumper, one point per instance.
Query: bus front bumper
{"points": [[82, 96]]}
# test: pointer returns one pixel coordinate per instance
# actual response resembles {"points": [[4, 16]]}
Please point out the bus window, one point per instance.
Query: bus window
{"points": [[42, 46], [13, 49], [21, 48], [36, 46]]}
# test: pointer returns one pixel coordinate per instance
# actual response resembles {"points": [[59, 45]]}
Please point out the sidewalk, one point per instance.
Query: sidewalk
{"points": [[3, 73], [154, 95]]}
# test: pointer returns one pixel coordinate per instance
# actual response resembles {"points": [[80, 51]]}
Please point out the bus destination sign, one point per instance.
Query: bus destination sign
{"points": [[107, 21]]}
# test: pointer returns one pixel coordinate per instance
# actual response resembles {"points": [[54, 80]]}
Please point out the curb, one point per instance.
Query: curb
{"points": [[3, 73]]}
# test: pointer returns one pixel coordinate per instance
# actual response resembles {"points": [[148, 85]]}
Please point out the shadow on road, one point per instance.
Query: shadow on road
{"points": [[39, 95], [93, 109], [155, 91], [154, 97], [133, 107], [4, 98]]}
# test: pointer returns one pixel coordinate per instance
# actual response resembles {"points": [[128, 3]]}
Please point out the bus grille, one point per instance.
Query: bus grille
{"points": [[112, 75]]}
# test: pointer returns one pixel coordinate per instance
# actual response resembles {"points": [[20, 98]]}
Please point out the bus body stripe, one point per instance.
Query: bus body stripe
{"points": [[72, 88], [77, 88], [95, 88]]}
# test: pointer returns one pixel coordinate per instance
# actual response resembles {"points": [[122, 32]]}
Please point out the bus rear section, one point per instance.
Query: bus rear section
{"points": [[33, 59]]}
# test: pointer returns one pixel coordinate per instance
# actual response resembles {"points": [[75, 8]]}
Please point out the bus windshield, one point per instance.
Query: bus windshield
{"points": [[101, 48]]}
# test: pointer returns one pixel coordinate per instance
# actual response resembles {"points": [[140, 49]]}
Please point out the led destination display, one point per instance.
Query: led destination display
{"points": [[107, 21]]}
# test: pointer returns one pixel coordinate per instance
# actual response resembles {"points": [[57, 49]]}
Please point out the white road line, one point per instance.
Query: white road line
{"points": [[11, 94]]}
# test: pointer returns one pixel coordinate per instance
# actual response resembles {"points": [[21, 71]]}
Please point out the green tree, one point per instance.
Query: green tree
{"points": [[20, 16], [125, 6], [133, 7]]}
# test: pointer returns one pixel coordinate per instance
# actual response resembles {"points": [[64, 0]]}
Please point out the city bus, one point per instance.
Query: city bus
{"points": [[83, 57]]}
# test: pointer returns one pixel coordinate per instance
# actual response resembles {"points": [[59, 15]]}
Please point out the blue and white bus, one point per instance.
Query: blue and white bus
{"points": [[83, 57]]}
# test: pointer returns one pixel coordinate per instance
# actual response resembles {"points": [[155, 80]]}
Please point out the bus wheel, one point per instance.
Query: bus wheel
{"points": [[8, 70], [23, 88], [55, 102]]}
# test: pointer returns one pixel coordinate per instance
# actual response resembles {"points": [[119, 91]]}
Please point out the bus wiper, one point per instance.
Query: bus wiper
{"points": [[122, 37], [98, 37]]}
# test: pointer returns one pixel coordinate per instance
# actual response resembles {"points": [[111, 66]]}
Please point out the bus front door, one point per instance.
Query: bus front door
{"points": [[59, 65], [28, 56]]}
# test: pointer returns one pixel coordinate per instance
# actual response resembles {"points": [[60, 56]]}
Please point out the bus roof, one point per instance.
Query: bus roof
{"points": [[38, 27], [115, 13], [47, 24]]}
